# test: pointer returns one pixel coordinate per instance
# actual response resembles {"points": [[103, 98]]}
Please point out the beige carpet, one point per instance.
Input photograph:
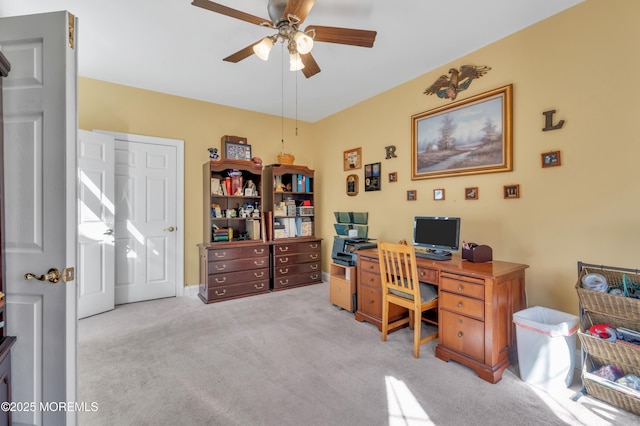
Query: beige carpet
{"points": [[292, 358]]}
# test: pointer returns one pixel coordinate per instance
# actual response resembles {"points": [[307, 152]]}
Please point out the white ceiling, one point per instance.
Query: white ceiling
{"points": [[173, 47]]}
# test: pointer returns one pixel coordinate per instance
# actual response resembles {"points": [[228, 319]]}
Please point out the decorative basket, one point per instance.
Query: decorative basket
{"points": [[616, 353], [286, 158], [606, 393], [596, 301]]}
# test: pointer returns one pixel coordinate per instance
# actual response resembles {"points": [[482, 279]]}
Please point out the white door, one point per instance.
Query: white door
{"points": [[96, 222], [149, 237], [40, 206]]}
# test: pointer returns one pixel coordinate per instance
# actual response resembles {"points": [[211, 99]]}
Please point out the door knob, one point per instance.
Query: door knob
{"points": [[53, 276], [108, 232], [170, 229]]}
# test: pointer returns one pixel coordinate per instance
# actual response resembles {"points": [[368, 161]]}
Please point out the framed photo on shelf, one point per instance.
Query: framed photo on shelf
{"points": [[438, 194], [511, 191], [471, 193], [550, 159], [352, 159], [236, 151], [412, 195], [466, 137]]}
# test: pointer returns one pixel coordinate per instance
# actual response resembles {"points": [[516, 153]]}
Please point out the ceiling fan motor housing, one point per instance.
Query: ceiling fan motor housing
{"points": [[276, 11]]}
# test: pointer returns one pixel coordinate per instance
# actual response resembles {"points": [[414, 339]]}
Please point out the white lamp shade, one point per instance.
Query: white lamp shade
{"points": [[295, 63], [263, 48], [304, 43]]}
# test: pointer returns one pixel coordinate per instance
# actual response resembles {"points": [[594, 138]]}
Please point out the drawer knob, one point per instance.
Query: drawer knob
{"points": [[283, 259], [258, 274], [313, 246], [258, 262], [459, 333], [221, 267], [314, 256], [220, 254], [460, 287], [283, 249], [218, 280], [218, 293], [459, 304], [258, 251], [284, 282], [370, 301], [284, 271], [314, 266], [314, 276], [258, 287]]}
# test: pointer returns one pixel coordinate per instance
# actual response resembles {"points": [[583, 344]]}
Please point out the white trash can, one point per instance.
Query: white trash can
{"points": [[546, 342]]}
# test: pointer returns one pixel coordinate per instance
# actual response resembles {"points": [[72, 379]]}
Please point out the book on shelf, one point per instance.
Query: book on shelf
{"points": [[215, 186]]}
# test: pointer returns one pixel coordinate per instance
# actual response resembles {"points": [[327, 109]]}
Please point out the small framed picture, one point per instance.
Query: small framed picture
{"points": [[393, 177], [550, 159], [237, 151], [471, 193], [438, 194], [372, 177], [412, 195], [352, 185], [512, 191], [352, 159]]}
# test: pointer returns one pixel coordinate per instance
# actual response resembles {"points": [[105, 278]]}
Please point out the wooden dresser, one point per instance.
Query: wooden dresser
{"points": [[296, 262], [476, 305], [233, 270]]}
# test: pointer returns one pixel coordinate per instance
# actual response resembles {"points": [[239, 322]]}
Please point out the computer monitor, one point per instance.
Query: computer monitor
{"points": [[437, 234]]}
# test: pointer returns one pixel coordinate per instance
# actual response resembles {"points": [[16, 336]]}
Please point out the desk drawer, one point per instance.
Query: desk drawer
{"points": [[222, 266], [427, 275], [238, 277], [462, 334], [370, 279], [291, 259], [462, 305], [462, 287], [369, 266]]}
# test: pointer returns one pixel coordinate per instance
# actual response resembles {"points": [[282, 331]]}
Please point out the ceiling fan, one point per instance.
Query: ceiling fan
{"points": [[286, 17]]}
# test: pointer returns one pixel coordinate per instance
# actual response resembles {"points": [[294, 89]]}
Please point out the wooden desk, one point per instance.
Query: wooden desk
{"points": [[476, 304]]}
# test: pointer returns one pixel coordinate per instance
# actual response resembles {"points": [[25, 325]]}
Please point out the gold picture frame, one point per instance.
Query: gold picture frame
{"points": [[466, 137], [511, 191], [352, 159], [550, 159], [412, 195], [471, 193], [438, 194], [352, 185]]}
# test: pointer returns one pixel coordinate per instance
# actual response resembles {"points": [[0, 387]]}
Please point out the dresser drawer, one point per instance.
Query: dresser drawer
{"points": [[236, 252], [284, 281], [238, 277], [281, 271], [370, 301], [462, 287], [462, 334], [290, 259], [294, 248], [223, 266], [235, 290], [462, 305]]}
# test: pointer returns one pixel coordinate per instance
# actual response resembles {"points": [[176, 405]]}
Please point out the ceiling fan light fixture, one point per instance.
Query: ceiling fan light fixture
{"points": [[295, 62], [304, 43], [263, 48]]}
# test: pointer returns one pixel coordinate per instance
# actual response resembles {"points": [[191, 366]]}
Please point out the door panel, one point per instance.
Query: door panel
{"points": [[96, 210], [40, 198]]}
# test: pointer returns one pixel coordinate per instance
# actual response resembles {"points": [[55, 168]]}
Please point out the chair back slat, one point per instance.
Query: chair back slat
{"points": [[398, 269]]}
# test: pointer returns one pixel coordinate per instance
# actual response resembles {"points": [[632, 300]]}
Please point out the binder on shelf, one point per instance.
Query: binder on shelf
{"points": [[307, 184], [298, 182]]}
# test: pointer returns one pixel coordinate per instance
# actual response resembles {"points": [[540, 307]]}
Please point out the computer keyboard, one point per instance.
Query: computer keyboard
{"points": [[433, 256]]}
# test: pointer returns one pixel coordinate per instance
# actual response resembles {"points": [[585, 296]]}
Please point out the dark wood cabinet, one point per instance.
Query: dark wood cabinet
{"points": [[296, 263], [475, 312]]}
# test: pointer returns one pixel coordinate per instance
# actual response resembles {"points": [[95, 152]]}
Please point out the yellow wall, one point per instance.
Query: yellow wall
{"points": [[580, 62]]}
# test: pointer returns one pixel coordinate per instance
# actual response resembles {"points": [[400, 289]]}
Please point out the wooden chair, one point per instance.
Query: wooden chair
{"points": [[401, 286]]}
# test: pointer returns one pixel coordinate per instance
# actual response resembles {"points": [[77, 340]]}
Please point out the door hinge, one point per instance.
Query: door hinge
{"points": [[68, 274], [72, 30]]}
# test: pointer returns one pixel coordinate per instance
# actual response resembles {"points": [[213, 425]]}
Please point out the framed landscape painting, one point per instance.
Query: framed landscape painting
{"points": [[467, 137]]}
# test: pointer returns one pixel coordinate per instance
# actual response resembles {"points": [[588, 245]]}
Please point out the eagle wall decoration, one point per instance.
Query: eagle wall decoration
{"points": [[458, 80]]}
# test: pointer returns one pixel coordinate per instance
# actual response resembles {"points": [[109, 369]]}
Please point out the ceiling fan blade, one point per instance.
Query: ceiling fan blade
{"points": [[311, 67], [224, 10], [300, 8], [241, 54], [350, 36]]}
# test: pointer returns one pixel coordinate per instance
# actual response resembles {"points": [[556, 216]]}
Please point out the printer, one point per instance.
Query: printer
{"points": [[345, 249]]}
